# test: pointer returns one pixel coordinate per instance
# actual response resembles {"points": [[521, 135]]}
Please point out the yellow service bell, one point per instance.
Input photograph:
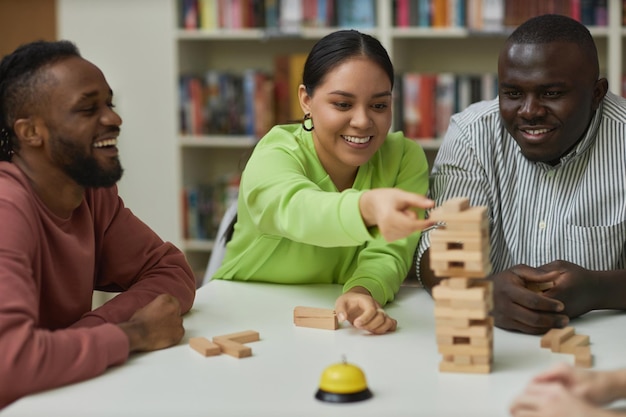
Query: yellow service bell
{"points": [[343, 383]]}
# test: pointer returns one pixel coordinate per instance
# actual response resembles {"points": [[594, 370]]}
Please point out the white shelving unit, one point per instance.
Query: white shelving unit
{"points": [[456, 50]]}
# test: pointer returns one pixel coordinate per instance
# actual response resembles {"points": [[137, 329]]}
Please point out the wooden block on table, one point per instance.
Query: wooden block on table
{"points": [[317, 323], [560, 337], [445, 366], [570, 345], [233, 348], [204, 346], [546, 339], [583, 357], [318, 318], [241, 337]]}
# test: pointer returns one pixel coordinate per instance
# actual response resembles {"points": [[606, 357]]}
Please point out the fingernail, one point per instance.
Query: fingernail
{"points": [[341, 317]]}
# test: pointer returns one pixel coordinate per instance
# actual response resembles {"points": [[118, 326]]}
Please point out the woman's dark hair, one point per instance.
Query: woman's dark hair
{"points": [[335, 48], [20, 79]]}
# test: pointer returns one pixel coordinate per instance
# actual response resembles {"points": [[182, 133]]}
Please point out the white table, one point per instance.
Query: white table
{"points": [[282, 376]]}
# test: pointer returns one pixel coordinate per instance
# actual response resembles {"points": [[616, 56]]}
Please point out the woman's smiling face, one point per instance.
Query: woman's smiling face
{"points": [[351, 113]]}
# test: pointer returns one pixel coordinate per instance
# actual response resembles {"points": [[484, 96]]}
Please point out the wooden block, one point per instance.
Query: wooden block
{"points": [[241, 337], [470, 331], [464, 349], [561, 336], [462, 322], [233, 348], [472, 219], [583, 357], [318, 318], [482, 340], [546, 339], [462, 269], [465, 304], [457, 255], [453, 322], [539, 286], [302, 311], [462, 360], [445, 366], [459, 236], [204, 346], [475, 245], [570, 344], [478, 290], [473, 313], [327, 323]]}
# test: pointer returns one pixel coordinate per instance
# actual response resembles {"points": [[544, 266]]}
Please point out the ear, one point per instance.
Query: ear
{"points": [[304, 98], [599, 91], [29, 131]]}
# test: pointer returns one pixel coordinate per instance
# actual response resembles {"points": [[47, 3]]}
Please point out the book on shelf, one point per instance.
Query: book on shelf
{"points": [[287, 77], [424, 102], [204, 205], [493, 15], [282, 16], [419, 105], [357, 14]]}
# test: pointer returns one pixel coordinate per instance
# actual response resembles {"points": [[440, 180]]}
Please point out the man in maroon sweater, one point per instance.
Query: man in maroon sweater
{"points": [[65, 231]]}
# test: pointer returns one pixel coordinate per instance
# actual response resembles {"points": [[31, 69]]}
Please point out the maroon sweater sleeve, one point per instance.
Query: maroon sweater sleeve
{"points": [[132, 258], [48, 270], [34, 358]]}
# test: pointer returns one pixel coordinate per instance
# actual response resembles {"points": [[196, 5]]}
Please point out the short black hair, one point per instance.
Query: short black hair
{"points": [[550, 28], [20, 77]]}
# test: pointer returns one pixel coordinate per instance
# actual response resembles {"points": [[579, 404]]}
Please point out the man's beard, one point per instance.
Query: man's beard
{"points": [[82, 167]]}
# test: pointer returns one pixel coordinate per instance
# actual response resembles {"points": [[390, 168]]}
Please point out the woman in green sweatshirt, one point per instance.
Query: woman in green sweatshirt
{"points": [[336, 199]]}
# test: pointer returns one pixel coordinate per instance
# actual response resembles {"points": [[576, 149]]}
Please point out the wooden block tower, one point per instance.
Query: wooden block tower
{"points": [[459, 253]]}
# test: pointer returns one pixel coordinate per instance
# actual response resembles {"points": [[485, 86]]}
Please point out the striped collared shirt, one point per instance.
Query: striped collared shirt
{"points": [[574, 211]]}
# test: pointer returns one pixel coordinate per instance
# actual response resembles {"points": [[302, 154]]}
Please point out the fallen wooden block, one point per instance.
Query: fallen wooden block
{"points": [[241, 337], [233, 348], [567, 341], [230, 344], [318, 318], [204, 346]]}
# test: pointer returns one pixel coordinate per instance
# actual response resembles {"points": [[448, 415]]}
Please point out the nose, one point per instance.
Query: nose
{"points": [[361, 118], [110, 117], [531, 107]]}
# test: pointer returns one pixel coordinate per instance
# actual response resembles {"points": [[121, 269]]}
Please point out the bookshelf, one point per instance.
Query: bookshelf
{"points": [[412, 49]]}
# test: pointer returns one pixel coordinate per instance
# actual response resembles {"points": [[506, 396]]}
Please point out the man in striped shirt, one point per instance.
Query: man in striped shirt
{"points": [[548, 158]]}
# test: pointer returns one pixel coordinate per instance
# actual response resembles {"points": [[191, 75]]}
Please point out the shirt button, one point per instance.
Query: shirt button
{"points": [[550, 174], [542, 224]]}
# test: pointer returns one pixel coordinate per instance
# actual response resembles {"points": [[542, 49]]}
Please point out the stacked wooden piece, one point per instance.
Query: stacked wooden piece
{"points": [[566, 340], [459, 253]]}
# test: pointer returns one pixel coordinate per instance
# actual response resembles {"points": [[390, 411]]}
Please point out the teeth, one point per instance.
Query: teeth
{"points": [[537, 131], [104, 143], [355, 139]]}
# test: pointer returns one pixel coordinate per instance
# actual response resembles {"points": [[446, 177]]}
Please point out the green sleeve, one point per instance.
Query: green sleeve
{"points": [[383, 266]]}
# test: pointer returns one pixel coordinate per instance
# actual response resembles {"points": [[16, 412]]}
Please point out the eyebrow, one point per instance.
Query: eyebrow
{"points": [[346, 94], [90, 95], [542, 86]]}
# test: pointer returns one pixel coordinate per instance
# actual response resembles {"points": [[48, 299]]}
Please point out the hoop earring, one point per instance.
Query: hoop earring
{"points": [[304, 126]]}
